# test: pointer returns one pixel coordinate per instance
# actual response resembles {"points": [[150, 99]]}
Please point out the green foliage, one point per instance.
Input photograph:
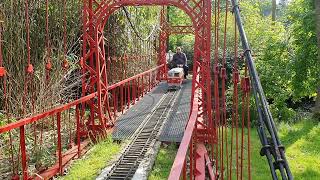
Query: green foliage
{"points": [[123, 37], [184, 41], [179, 17], [130, 36], [285, 52], [305, 63]]}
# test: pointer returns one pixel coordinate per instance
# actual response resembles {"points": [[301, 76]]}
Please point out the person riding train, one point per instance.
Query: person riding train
{"points": [[180, 58]]}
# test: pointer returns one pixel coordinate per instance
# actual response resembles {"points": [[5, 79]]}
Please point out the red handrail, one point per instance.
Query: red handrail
{"points": [[48, 113], [133, 77], [63, 159], [179, 162], [67, 106]]}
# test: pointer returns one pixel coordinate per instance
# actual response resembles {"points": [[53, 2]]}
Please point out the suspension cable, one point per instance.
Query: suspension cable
{"points": [[265, 118], [48, 49], [1, 57], [47, 27], [134, 29], [27, 30], [216, 85], [234, 105], [5, 94], [65, 27], [224, 77], [65, 63]]}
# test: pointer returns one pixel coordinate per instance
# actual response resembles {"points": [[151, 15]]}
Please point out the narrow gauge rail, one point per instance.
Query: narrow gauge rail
{"points": [[135, 151]]}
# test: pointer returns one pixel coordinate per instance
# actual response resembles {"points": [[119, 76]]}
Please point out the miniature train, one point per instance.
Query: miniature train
{"points": [[175, 77]]}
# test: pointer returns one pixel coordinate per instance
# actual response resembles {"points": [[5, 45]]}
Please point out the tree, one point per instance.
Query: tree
{"points": [[317, 14], [305, 59], [274, 9]]}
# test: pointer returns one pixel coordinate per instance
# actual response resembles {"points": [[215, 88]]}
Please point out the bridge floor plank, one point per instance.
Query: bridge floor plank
{"points": [[174, 126], [130, 121], [173, 129]]}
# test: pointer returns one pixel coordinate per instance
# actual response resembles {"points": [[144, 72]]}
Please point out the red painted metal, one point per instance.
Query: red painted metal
{"points": [[2, 71], [205, 135], [163, 36], [78, 130], [174, 80], [134, 91], [209, 166], [201, 104], [95, 87], [23, 153], [191, 149], [59, 142], [121, 98], [143, 84], [178, 164], [64, 158], [200, 162], [48, 113]]}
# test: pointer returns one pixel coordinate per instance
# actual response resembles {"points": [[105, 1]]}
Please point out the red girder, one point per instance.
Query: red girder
{"points": [[95, 86], [199, 11]]}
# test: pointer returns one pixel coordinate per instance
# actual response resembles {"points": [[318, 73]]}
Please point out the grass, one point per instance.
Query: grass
{"points": [[163, 163], [302, 142], [96, 159]]}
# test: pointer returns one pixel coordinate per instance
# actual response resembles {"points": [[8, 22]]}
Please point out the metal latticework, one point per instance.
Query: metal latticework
{"points": [[95, 16]]}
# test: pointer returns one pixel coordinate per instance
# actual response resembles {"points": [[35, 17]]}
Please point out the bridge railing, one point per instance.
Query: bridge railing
{"points": [[68, 143], [192, 155], [192, 158], [179, 167]]}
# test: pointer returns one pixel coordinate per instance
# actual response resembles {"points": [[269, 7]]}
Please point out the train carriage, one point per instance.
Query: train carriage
{"points": [[175, 77]]}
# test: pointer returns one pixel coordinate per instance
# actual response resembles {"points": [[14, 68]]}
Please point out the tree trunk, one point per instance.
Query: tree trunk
{"points": [[274, 9], [317, 14]]}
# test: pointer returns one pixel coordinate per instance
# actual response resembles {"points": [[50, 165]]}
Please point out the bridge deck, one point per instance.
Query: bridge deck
{"points": [[174, 127], [172, 130]]}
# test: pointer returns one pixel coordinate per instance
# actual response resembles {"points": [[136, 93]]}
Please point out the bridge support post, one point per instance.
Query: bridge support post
{"points": [[163, 44], [95, 16], [201, 74], [94, 74]]}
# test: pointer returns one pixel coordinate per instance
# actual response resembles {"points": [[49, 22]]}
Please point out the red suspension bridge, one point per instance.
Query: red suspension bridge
{"points": [[205, 150]]}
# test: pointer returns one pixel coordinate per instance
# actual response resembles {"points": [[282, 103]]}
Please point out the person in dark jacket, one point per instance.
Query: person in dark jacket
{"points": [[180, 58]]}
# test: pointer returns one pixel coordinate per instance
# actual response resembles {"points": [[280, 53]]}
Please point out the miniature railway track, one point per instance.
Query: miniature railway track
{"points": [[134, 153]]}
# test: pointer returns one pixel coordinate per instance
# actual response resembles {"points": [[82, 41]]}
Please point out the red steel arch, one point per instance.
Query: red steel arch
{"points": [[95, 16]]}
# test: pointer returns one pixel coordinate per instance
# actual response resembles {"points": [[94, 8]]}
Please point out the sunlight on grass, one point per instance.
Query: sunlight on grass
{"points": [[302, 142], [95, 160], [259, 166], [163, 163]]}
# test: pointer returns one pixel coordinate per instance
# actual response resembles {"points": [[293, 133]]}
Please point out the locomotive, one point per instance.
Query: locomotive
{"points": [[176, 72], [175, 77]]}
